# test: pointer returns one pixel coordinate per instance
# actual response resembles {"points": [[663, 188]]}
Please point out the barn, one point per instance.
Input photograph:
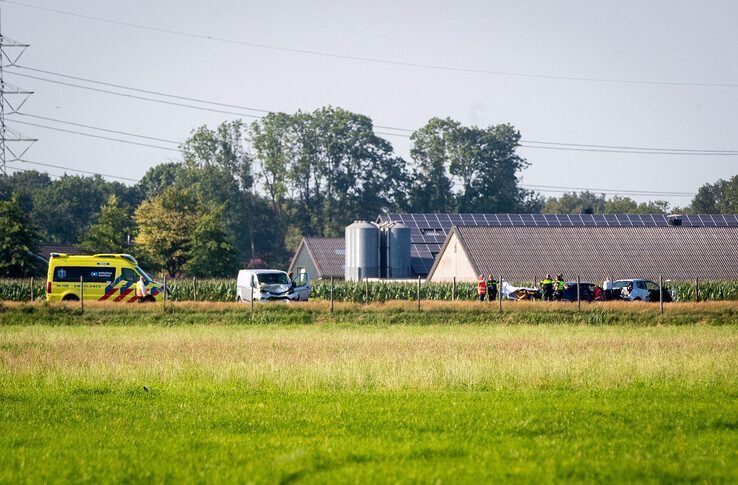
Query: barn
{"points": [[708, 252], [429, 232], [527, 253]]}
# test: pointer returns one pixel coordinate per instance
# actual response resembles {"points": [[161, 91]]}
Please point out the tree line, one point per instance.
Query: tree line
{"points": [[244, 194]]}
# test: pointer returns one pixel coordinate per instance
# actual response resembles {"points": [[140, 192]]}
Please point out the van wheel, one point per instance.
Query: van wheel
{"points": [[238, 299], [70, 298], [638, 298]]}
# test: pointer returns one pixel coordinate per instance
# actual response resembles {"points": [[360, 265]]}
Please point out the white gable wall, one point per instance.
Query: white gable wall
{"points": [[303, 260], [453, 261]]}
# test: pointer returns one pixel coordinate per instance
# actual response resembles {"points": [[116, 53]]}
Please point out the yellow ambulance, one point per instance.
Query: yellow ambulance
{"points": [[102, 277]]}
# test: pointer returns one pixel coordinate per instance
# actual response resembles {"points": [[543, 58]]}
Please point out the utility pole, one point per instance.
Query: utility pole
{"points": [[13, 144]]}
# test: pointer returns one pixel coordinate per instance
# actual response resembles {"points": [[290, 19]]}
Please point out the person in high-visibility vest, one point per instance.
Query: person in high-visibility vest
{"points": [[547, 286], [481, 288], [491, 287], [559, 287], [141, 291]]}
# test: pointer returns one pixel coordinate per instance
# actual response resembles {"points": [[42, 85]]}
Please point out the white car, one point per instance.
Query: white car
{"points": [[640, 290], [271, 285]]}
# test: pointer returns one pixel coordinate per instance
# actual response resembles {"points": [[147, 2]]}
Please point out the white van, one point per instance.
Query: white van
{"points": [[271, 285]]}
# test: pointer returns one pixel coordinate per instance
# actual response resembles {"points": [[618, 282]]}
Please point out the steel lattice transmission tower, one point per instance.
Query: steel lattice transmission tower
{"points": [[13, 144]]}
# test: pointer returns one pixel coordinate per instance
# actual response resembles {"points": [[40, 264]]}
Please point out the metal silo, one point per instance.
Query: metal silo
{"points": [[362, 251], [397, 243]]}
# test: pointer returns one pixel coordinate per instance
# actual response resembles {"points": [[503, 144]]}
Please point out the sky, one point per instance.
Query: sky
{"points": [[653, 42]]}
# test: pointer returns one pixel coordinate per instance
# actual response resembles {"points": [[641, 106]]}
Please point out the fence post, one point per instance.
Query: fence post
{"points": [[453, 290], [499, 294], [418, 293], [31, 288], [331, 295], [697, 289], [366, 290], [661, 294], [252, 297], [579, 298], [194, 288], [81, 294], [164, 289]]}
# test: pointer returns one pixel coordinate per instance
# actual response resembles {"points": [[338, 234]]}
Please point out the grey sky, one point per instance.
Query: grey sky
{"points": [[681, 41]]}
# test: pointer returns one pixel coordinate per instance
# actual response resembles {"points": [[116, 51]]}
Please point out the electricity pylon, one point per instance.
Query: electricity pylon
{"points": [[13, 144]]}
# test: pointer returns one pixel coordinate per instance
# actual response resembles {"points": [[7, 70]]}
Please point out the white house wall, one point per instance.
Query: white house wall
{"points": [[303, 260], [453, 261]]}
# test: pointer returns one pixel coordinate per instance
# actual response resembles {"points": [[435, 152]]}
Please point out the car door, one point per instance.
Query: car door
{"points": [[302, 286], [640, 290], [653, 291]]}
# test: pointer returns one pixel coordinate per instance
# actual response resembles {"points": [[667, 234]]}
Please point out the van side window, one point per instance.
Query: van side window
{"points": [[128, 274], [90, 274]]}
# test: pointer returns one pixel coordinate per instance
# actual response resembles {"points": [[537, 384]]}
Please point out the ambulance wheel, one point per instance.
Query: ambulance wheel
{"points": [[149, 299], [70, 298]]}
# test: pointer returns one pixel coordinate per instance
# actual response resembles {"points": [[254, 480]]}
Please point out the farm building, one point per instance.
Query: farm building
{"points": [[321, 257], [523, 253], [325, 257], [429, 231]]}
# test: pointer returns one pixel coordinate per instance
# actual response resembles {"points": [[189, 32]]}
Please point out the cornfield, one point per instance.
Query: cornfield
{"points": [[223, 290]]}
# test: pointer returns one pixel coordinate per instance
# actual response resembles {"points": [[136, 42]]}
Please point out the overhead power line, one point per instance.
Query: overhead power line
{"points": [[126, 95], [526, 143], [96, 136], [117, 132], [88, 172], [559, 189], [145, 91], [374, 60]]}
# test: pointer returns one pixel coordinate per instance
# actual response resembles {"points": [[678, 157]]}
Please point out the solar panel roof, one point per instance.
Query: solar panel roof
{"points": [[428, 231]]}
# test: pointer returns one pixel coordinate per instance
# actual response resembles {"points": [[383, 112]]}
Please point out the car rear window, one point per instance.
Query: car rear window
{"points": [[90, 274]]}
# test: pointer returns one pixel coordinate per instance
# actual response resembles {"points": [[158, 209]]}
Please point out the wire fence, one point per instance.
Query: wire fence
{"points": [[224, 290]]}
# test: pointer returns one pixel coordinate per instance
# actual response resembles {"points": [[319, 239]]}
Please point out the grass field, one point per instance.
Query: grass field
{"points": [[454, 393]]}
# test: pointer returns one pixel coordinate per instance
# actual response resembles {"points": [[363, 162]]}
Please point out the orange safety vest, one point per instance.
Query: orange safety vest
{"points": [[481, 287]]}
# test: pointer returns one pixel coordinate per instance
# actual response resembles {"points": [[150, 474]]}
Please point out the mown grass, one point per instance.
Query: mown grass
{"points": [[87, 397]]}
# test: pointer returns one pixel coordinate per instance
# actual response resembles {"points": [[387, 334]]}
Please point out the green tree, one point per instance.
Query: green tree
{"points": [[718, 198], [212, 251], [468, 169], [323, 169], [576, 203], [180, 233], [25, 185], [431, 185], [111, 232], [626, 205], [164, 224], [65, 209], [157, 179], [17, 240]]}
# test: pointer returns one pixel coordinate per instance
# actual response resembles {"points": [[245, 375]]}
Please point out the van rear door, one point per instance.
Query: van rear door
{"points": [[302, 286]]}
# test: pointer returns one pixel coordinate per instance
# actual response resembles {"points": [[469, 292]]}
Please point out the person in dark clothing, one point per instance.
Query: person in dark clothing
{"points": [[491, 287], [547, 286]]}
